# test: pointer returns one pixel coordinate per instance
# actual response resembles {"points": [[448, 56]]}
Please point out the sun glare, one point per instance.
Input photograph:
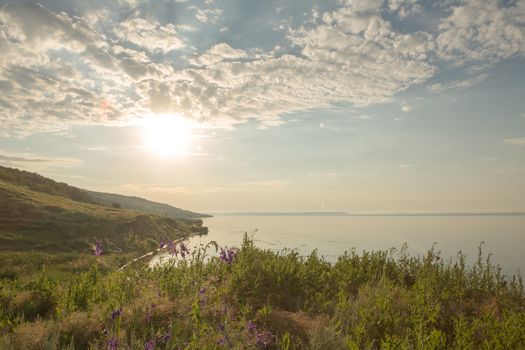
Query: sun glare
{"points": [[167, 134]]}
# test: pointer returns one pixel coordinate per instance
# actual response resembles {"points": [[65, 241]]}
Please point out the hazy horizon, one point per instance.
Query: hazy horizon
{"points": [[386, 213], [380, 106]]}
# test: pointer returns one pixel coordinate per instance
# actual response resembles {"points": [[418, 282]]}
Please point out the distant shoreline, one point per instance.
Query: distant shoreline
{"points": [[506, 213]]}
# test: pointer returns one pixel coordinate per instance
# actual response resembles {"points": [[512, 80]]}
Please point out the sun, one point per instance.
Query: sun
{"points": [[167, 134]]}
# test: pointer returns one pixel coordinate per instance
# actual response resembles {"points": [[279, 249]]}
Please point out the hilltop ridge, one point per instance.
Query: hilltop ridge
{"points": [[39, 213]]}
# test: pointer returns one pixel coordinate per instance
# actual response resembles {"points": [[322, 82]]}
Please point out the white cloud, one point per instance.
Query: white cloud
{"points": [[509, 171], [131, 3], [334, 66], [405, 8], [31, 161], [519, 141], [57, 70], [185, 27], [18, 159], [206, 15], [482, 30], [457, 84], [140, 189], [45, 89], [148, 35], [275, 184], [219, 53], [328, 174]]}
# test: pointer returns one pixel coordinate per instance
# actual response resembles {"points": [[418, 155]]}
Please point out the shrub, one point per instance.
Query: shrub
{"points": [[249, 298]]}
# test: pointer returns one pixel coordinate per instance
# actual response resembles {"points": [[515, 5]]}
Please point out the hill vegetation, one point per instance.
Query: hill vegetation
{"points": [[249, 298], [39, 213], [39, 183], [143, 205]]}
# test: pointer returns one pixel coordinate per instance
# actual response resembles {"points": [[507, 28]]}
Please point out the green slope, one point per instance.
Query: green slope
{"points": [[38, 183], [39, 213], [143, 205]]}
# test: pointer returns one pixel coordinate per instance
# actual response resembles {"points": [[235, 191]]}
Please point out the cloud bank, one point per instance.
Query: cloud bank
{"points": [[60, 68]]}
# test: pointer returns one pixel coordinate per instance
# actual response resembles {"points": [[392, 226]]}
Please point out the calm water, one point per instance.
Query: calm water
{"points": [[504, 236]]}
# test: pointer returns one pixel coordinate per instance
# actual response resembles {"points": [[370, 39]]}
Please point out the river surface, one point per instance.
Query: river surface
{"points": [[332, 235]]}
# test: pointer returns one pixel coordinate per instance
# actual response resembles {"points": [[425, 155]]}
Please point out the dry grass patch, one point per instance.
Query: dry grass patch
{"points": [[31, 335]]}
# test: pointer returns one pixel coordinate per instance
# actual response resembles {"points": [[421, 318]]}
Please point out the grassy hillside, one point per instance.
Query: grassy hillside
{"points": [[143, 205], [38, 183], [250, 298], [39, 213]]}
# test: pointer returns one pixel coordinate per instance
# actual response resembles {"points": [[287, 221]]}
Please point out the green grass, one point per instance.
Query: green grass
{"points": [[41, 214], [144, 206], [27, 183], [36, 220], [38, 183], [373, 300]]}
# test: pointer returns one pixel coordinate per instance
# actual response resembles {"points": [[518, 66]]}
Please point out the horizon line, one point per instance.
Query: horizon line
{"points": [[345, 213]]}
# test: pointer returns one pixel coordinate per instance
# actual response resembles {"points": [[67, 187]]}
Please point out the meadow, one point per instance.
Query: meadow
{"points": [[250, 298]]}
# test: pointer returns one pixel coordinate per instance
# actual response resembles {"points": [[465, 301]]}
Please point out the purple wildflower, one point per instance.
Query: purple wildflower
{"points": [[184, 250], [149, 345], [172, 247], [97, 248], [116, 313], [263, 338], [224, 341], [112, 343], [163, 244], [202, 297], [149, 312], [251, 326], [164, 338], [148, 317], [227, 255]]}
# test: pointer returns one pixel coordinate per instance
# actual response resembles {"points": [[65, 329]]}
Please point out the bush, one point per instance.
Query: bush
{"points": [[251, 298]]}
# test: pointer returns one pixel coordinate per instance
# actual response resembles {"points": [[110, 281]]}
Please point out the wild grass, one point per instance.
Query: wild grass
{"points": [[40, 214], [249, 298]]}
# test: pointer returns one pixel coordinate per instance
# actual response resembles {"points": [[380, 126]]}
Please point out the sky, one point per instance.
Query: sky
{"points": [[247, 105]]}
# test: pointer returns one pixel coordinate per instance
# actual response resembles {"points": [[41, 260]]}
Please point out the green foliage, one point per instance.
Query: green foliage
{"points": [[143, 205], [82, 290], [263, 299], [42, 184], [39, 183], [41, 214]]}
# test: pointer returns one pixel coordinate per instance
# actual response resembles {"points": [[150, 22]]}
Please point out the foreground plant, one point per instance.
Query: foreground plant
{"points": [[249, 298]]}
